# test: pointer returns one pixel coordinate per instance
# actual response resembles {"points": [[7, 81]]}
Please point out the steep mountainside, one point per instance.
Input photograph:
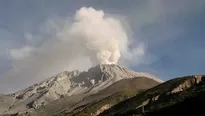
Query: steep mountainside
{"points": [[175, 97], [39, 94], [72, 87], [117, 92]]}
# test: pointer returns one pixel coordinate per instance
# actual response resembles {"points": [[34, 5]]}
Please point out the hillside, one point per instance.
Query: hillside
{"points": [[118, 92], [164, 99], [71, 89]]}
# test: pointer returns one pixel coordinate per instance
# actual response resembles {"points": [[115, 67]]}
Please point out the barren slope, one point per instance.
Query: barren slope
{"points": [[65, 85]]}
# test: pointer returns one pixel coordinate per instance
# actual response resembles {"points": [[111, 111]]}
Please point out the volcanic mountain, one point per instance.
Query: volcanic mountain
{"points": [[72, 89]]}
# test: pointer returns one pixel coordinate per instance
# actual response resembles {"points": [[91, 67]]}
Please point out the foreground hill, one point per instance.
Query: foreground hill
{"points": [[178, 96], [116, 93], [69, 90]]}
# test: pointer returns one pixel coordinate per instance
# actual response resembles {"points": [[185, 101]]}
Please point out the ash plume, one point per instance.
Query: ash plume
{"points": [[89, 38], [101, 36]]}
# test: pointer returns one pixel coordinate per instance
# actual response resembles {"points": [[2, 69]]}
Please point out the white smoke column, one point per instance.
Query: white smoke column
{"points": [[102, 36], [91, 38]]}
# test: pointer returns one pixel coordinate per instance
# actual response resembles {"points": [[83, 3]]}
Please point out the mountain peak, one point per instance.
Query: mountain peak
{"points": [[120, 72]]}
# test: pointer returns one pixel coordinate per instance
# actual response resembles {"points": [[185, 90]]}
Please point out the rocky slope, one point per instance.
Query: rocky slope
{"points": [[110, 96], [71, 86], [165, 99]]}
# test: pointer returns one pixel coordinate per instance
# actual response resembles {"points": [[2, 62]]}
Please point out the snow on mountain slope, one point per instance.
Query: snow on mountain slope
{"points": [[68, 84]]}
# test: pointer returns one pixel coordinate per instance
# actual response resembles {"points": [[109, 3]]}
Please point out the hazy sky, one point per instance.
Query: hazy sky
{"points": [[172, 33]]}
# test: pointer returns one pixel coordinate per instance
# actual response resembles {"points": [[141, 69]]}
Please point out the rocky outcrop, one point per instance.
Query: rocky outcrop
{"points": [[193, 80], [103, 108], [180, 87], [164, 94]]}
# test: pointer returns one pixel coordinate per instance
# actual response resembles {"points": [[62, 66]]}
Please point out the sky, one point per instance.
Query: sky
{"points": [[168, 35]]}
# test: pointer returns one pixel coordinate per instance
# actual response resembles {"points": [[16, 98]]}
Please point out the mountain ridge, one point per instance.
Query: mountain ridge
{"points": [[69, 83], [161, 97]]}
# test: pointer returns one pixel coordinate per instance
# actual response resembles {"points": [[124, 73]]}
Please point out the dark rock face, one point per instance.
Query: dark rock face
{"points": [[165, 99]]}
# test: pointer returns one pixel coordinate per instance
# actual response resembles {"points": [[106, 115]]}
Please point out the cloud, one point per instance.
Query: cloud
{"points": [[159, 21], [90, 38], [19, 54]]}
